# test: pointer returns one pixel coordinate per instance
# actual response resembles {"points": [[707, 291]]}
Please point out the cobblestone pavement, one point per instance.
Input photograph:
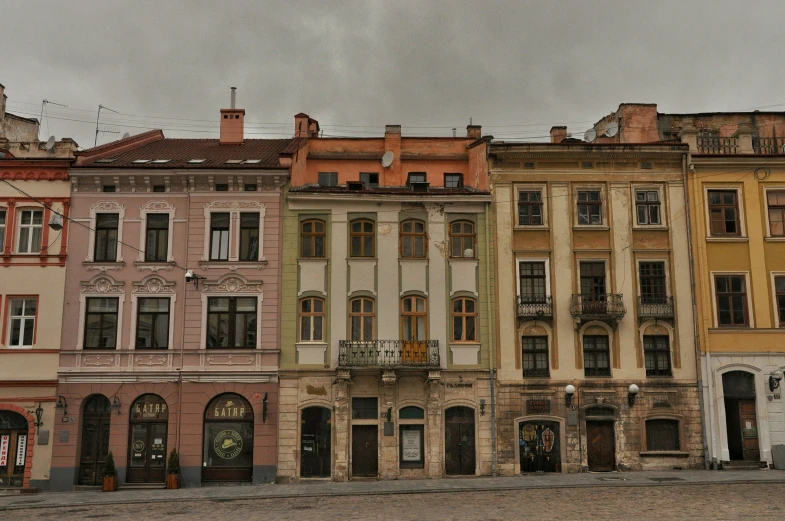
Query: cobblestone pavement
{"points": [[713, 501]]}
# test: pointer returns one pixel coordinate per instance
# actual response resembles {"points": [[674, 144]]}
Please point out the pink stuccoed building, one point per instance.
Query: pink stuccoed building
{"points": [[170, 337]]}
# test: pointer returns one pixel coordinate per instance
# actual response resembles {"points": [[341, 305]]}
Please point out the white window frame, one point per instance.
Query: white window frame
{"points": [[155, 207], [545, 260], [24, 320], [748, 288], [234, 209], [742, 221], [101, 286], [19, 226], [603, 206], [663, 206], [232, 285], [766, 191], [3, 227], [153, 286], [106, 207], [539, 187]]}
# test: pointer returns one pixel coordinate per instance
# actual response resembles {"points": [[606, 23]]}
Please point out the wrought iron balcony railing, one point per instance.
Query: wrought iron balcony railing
{"points": [[598, 306], [535, 307], [768, 145], [389, 353], [655, 306], [717, 145]]}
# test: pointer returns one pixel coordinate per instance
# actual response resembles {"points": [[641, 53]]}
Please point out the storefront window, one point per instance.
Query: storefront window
{"points": [[228, 439]]}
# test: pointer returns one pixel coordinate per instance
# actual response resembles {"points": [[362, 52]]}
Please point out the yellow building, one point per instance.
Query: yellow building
{"points": [[597, 359]]}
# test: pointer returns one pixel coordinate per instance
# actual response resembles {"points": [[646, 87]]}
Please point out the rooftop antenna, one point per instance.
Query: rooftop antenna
{"points": [[44, 103], [98, 118], [612, 129], [50, 143]]}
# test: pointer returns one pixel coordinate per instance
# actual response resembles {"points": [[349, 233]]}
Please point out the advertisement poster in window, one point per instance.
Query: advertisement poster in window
{"points": [[412, 450], [21, 445], [4, 441]]}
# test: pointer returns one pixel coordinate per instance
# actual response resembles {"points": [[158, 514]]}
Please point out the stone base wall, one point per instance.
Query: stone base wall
{"points": [[519, 403]]}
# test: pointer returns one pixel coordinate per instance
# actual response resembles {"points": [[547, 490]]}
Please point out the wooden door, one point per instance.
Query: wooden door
{"points": [[601, 446], [95, 446], [13, 454], [749, 430], [414, 330], [315, 443], [365, 451], [459, 449], [147, 453]]}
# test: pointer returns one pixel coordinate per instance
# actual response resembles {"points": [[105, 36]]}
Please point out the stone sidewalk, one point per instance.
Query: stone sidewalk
{"points": [[368, 488]]}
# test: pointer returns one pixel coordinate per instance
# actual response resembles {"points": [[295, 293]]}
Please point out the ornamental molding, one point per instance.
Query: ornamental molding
{"points": [[154, 284], [233, 284], [98, 360], [150, 360], [234, 205], [142, 266], [157, 206], [230, 359], [37, 175], [102, 284], [221, 265], [106, 206], [103, 268]]}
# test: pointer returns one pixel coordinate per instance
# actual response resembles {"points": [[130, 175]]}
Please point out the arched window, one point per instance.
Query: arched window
{"points": [[362, 238], [462, 238], [228, 439], [311, 320], [413, 240], [13, 449], [312, 234], [362, 319], [464, 320]]}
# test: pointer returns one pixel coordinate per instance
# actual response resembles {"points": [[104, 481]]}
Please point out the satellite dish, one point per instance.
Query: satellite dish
{"points": [[612, 129], [50, 143], [590, 135], [126, 135], [387, 159]]}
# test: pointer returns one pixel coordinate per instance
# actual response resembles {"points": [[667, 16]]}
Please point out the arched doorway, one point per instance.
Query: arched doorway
{"points": [[147, 440], [13, 449], [539, 444], [96, 417], [228, 439], [740, 418], [315, 443], [459, 452]]}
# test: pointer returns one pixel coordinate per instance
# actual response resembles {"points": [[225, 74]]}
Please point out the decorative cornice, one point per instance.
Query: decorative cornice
{"points": [[232, 284], [157, 206], [153, 284], [33, 175], [103, 206], [235, 205], [102, 284]]}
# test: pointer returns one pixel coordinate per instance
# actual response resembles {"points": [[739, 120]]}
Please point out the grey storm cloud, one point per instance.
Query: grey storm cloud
{"points": [[514, 67]]}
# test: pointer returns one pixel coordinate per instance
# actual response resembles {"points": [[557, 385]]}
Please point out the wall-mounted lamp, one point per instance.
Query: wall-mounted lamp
{"points": [[264, 408], [774, 380], [39, 412], [632, 392], [116, 404], [62, 404], [56, 222], [568, 392], [482, 406]]}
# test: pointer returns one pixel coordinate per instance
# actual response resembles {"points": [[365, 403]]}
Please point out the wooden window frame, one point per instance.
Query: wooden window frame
{"points": [[153, 254], [653, 345], [361, 315], [595, 371], [232, 315], [532, 297], [730, 294], [413, 315], [462, 236], [361, 235], [227, 229], [412, 237], [156, 316], [589, 204], [312, 237], [310, 316], [723, 207], [648, 205], [530, 204], [100, 230], [247, 236], [414, 177], [3, 226], [779, 299], [649, 438], [648, 281], [88, 313], [536, 371], [778, 207], [464, 316], [450, 177], [594, 295]]}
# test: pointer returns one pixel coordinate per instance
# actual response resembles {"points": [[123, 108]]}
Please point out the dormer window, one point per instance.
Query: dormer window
{"points": [[416, 177], [369, 179]]}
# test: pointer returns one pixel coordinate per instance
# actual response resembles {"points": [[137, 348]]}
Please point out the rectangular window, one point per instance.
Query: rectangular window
{"points": [[231, 322], [106, 231], [593, 283], [416, 177], [462, 239], [413, 239], [530, 208], [535, 356], [21, 316], [662, 435], [312, 234], [328, 178], [219, 236], [221, 187], [589, 207], [101, 323], [108, 188], [596, 355], [647, 207], [159, 188], [370, 179], [157, 240], [532, 278], [731, 300], [453, 180], [776, 202], [464, 320], [362, 238], [724, 212], [249, 236], [249, 188], [652, 278], [414, 317], [152, 323], [779, 288], [657, 354], [311, 320], [365, 408], [362, 319], [30, 230], [2, 228], [412, 446]]}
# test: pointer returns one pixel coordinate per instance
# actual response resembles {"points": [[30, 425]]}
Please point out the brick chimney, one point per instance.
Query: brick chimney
{"points": [[474, 131], [392, 175], [558, 134], [305, 126], [232, 123]]}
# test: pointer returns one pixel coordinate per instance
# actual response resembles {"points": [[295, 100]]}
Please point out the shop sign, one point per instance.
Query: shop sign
{"points": [[149, 411], [230, 409], [459, 385], [228, 444], [4, 441], [21, 445], [412, 450], [538, 406]]}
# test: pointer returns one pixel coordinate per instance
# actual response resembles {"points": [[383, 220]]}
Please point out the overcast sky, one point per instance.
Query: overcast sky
{"points": [[515, 67]]}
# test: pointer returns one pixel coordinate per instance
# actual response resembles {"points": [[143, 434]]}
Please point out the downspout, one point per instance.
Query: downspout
{"points": [[182, 338], [708, 448], [491, 328]]}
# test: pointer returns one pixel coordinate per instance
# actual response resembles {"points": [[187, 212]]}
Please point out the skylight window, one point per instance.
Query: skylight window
{"points": [[196, 161], [252, 161], [233, 161], [161, 161], [141, 161], [107, 160]]}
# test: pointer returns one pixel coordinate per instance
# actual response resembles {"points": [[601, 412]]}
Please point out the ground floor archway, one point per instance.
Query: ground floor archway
{"points": [[315, 442], [13, 449]]}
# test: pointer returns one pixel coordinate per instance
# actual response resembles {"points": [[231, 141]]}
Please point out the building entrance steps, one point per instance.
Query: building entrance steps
{"points": [[369, 488]]}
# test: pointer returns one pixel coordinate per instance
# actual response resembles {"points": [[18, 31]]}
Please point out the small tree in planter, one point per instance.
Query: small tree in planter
{"points": [[173, 470], [110, 474]]}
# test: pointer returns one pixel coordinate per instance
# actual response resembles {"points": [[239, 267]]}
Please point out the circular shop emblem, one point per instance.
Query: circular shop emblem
{"points": [[138, 446], [228, 444]]}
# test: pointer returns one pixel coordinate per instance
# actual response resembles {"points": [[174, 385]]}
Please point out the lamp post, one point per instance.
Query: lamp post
{"points": [[568, 392], [632, 392]]}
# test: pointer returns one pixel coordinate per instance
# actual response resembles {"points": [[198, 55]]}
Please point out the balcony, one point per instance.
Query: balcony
{"points": [[606, 306], [717, 145], [655, 306], [535, 307], [389, 353], [768, 145]]}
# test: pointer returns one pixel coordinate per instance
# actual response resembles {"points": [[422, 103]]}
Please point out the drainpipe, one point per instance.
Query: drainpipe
{"points": [[492, 343], [182, 338]]}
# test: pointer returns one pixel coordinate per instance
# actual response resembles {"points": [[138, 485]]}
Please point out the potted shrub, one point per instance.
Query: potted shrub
{"points": [[173, 470], [110, 474]]}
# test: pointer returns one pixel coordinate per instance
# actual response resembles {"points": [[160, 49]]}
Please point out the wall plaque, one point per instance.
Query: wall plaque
{"points": [[43, 438], [389, 429], [538, 406], [63, 436]]}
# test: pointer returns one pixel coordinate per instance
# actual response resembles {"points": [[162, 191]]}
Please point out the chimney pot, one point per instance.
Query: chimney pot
{"points": [[234, 96], [392, 129], [474, 131], [558, 134]]}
